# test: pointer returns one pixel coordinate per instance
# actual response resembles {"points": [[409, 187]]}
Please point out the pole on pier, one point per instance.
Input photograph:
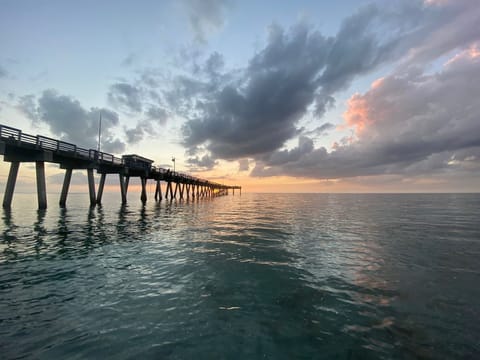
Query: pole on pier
{"points": [[143, 196], [91, 186], [123, 189], [66, 185], [101, 185], [41, 185], [12, 179]]}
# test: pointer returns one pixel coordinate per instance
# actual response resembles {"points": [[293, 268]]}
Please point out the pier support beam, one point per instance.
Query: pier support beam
{"points": [[182, 188], [101, 185], [169, 190], [127, 180], [41, 185], [65, 187], [123, 188], [158, 192], [143, 196], [91, 186], [12, 179], [176, 188]]}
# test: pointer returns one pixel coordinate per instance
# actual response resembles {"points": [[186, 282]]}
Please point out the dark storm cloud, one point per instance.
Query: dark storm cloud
{"points": [[27, 104], [259, 111], [70, 121], [319, 130], [143, 100], [406, 124], [157, 114], [253, 111], [136, 134], [126, 96], [205, 16], [243, 165], [146, 127], [305, 146], [204, 162]]}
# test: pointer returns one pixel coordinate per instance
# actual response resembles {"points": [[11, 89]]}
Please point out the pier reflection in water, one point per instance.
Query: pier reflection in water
{"points": [[265, 275]]}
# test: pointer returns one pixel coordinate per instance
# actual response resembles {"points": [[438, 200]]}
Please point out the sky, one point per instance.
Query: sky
{"points": [[275, 96]]}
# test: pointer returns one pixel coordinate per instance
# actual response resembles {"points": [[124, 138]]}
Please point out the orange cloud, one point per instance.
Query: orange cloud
{"points": [[357, 114], [377, 83], [471, 53]]}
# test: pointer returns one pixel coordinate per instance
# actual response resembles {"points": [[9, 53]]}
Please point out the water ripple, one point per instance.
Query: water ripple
{"points": [[257, 276]]}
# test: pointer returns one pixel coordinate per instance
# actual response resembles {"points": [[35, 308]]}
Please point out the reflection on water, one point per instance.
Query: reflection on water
{"points": [[256, 276]]}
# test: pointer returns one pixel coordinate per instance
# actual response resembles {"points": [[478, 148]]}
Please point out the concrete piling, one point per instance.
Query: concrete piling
{"points": [[41, 185], [12, 179]]}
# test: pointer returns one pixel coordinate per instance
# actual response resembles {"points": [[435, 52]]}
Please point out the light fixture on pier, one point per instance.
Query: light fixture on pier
{"points": [[173, 159]]}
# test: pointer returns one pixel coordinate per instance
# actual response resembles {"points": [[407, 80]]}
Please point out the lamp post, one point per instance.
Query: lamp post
{"points": [[173, 159]]}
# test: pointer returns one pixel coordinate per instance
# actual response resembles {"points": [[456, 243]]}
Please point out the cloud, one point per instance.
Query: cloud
{"points": [[154, 116], [319, 130], [253, 111], [129, 60], [205, 16], [126, 97], [201, 163], [405, 124], [157, 114], [78, 178], [70, 121], [141, 99], [3, 72], [27, 105], [243, 165], [448, 25]]}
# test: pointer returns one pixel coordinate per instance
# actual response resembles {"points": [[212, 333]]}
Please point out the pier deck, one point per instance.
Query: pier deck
{"points": [[17, 147]]}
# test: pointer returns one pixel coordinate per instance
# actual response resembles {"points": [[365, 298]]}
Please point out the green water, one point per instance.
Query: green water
{"points": [[261, 276]]}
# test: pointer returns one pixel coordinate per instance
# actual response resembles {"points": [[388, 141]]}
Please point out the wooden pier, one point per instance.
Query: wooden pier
{"points": [[17, 147]]}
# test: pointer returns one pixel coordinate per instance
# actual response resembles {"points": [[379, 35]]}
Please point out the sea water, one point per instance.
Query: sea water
{"points": [[256, 276]]}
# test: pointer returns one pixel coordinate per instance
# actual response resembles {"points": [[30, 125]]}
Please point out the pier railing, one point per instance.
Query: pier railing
{"points": [[12, 135], [17, 146]]}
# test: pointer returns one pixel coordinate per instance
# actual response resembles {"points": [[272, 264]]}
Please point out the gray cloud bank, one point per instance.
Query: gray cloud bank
{"points": [[71, 122], [252, 112], [411, 122]]}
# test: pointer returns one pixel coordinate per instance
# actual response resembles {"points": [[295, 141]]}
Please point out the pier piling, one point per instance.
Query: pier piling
{"points": [[12, 179], [100, 188], [91, 186], [17, 147], [66, 185], [123, 190], [41, 185], [143, 196]]}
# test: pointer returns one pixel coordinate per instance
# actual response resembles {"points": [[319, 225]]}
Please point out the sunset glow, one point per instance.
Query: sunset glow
{"points": [[290, 100]]}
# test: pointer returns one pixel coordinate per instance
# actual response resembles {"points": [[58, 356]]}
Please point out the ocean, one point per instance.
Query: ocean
{"points": [[256, 276]]}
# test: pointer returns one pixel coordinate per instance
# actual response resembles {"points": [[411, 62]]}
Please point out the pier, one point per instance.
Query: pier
{"points": [[18, 147]]}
